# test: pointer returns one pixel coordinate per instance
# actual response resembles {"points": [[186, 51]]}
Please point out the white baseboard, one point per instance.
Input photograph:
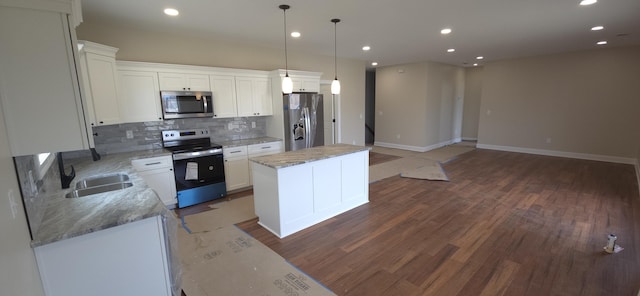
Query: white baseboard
{"points": [[586, 156], [413, 148], [469, 139]]}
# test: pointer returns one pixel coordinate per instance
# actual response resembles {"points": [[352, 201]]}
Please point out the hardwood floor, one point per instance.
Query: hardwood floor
{"points": [[378, 158], [506, 224]]}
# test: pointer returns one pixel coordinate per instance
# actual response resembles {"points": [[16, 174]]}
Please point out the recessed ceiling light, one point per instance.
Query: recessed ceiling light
{"points": [[588, 2], [445, 31], [171, 11], [374, 64], [451, 50], [597, 28], [479, 58], [295, 34], [603, 42], [366, 48], [475, 64]]}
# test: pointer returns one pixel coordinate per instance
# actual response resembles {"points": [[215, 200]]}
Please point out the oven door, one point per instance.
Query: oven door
{"points": [[197, 169]]}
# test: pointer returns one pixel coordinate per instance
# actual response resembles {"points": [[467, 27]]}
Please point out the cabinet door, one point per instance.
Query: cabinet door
{"points": [[262, 104], [236, 173], [254, 96], [139, 96], [40, 90], [198, 82], [303, 84], [163, 183], [103, 89], [244, 91], [224, 96], [172, 81]]}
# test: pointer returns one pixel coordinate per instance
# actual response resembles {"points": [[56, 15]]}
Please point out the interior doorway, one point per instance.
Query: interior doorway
{"points": [[370, 107]]}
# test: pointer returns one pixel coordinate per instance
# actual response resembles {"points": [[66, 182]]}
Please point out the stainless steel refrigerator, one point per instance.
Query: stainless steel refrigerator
{"points": [[303, 116]]}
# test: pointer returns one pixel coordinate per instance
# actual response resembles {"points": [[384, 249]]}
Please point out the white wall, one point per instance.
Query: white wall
{"points": [[18, 270], [415, 105], [582, 104], [167, 47], [473, 94]]}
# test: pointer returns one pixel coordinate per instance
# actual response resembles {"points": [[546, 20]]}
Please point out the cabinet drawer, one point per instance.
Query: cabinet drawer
{"points": [[265, 148], [239, 151], [145, 164]]}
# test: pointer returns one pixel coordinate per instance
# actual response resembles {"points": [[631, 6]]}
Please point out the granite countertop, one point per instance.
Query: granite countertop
{"points": [[70, 217], [291, 158], [245, 142]]}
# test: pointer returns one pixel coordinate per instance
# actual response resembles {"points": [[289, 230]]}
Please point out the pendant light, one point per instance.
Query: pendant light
{"points": [[287, 84], [335, 84]]}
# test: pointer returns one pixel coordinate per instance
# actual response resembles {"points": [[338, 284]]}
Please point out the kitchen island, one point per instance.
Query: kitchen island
{"points": [[297, 189]]}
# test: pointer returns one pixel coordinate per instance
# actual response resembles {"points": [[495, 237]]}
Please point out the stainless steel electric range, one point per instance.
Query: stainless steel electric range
{"points": [[198, 165]]}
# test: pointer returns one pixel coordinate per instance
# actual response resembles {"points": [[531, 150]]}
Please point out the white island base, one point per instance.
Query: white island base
{"points": [[292, 197]]}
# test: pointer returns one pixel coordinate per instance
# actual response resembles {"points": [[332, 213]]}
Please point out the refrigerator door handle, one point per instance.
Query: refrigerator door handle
{"points": [[307, 123]]}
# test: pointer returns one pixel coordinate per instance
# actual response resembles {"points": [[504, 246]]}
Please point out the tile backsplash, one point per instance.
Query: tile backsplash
{"points": [[146, 135]]}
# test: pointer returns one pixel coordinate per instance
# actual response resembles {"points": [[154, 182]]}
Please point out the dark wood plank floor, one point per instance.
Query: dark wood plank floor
{"points": [[506, 224], [378, 158]]}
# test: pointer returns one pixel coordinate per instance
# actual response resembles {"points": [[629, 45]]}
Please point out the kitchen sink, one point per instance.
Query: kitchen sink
{"points": [[98, 189], [102, 180]]}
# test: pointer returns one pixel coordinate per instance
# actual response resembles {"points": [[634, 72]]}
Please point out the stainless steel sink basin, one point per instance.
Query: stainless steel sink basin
{"points": [[98, 189], [102, 180]]}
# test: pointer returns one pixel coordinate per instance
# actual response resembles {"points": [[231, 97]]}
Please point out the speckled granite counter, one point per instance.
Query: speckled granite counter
{"points": [[245, 142], [291, 158], [70, 217]]}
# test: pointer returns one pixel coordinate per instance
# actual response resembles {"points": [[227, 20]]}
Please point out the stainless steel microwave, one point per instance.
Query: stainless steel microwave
{"points": [[185, 104]]}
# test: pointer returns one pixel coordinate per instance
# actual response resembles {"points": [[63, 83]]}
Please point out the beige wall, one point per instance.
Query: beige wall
{"points": [[415, 104], [473, 93], [584, 103], [145, 46], [18, 270]]}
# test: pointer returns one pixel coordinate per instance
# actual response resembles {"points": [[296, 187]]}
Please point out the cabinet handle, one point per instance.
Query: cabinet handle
{"points": [[234, 152], [266, 147], [101, 122], [153, 163], [95, 134]]}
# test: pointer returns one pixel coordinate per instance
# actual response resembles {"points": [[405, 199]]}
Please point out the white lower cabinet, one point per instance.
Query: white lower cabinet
{"points": [[130, 259], [157, 172], [236, 167]]}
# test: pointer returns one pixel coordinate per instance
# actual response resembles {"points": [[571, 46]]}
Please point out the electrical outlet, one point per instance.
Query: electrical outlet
{"points": [[129, 134], [253, 124], [398, 136]]}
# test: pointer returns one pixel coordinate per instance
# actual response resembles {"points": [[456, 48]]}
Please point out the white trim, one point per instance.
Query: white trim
{"points": [[413, 148], [62, 6], [586, 156], [457, 140], [469, 139]]}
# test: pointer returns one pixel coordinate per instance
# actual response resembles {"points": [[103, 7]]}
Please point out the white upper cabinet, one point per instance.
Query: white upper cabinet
{"points": [[306, 84], [223, 88], [99, 81], [254, 96], [139, 96], [184, 81], [39, 87]]}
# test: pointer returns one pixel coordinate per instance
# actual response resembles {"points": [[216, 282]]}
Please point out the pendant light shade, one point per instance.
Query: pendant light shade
{"points": [[335, 84], [287, 84]]}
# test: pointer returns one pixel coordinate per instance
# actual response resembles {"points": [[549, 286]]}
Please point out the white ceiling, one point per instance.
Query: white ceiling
{"points": [[400, 31]]}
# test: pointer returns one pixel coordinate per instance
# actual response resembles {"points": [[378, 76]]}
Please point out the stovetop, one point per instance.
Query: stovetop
{"points": [[188, 140]]}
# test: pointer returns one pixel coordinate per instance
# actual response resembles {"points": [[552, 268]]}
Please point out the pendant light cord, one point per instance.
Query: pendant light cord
{"points": [[286, 62], [335, 45]]}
